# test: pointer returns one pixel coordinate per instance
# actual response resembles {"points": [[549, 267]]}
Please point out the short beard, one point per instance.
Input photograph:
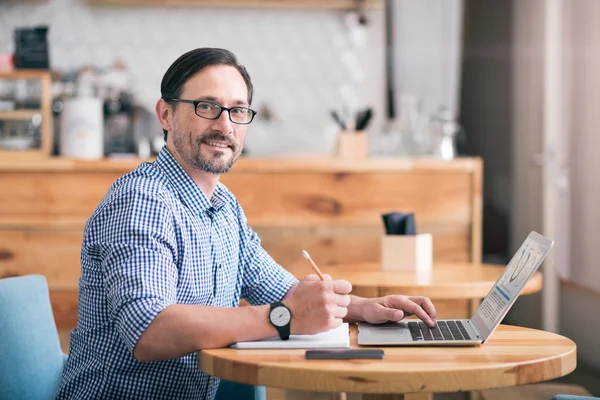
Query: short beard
{"points": [[212, 166], [194, 157]]}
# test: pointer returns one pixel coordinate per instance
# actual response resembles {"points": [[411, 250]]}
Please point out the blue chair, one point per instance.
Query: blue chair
{"points": [[31, 361]]}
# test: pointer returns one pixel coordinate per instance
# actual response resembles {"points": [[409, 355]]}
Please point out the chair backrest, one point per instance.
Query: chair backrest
{"points": [[31, 360]]}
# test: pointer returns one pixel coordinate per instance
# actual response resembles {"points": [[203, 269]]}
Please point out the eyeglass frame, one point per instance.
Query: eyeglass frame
{"points": [[196, 102]]}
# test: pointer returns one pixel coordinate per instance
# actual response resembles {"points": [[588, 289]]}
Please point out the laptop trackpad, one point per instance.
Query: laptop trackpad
{"points": [[381, 334]]}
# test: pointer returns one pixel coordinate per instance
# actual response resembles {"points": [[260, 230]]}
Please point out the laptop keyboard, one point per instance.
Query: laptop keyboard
{"points": [[444, 330]]}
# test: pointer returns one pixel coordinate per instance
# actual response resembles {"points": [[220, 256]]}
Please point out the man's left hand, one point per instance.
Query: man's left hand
{"points": [[396, 307]]}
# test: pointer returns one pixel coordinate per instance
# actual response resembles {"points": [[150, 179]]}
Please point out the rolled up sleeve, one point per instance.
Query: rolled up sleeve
{"points": [[264, 280], [134, 239]]}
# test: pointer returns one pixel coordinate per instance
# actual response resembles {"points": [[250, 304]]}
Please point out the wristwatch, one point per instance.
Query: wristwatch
{"points": [[281, 317]]}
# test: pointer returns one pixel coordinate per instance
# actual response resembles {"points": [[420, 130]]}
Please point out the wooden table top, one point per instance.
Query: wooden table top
{"points": [[445, 281], [512, 356]]}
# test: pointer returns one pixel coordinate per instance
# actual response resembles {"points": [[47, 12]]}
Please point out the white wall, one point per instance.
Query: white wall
{"points": [[298, 58], [579, 310], [428, 38], [584, 133]]}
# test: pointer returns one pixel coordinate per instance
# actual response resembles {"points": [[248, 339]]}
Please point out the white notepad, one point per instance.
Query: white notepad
{"points": [[335, 338]]}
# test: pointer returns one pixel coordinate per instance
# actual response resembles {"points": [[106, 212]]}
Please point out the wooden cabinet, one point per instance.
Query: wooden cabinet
{"points": [[329, 207]]}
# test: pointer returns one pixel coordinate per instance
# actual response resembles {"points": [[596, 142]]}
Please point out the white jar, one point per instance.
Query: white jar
{"points": [[82, 128]]}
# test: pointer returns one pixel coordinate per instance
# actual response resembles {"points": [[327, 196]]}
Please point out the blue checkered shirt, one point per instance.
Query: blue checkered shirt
{"points": [[156, 240]]}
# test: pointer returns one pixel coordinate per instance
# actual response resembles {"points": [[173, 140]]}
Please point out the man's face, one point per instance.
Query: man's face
{"points": [[210, 145]]}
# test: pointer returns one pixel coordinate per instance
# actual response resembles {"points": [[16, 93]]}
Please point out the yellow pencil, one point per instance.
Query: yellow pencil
{"points": [[307, 256]]}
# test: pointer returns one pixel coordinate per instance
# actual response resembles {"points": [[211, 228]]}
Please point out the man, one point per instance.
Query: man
{"points": [[167, 255]]}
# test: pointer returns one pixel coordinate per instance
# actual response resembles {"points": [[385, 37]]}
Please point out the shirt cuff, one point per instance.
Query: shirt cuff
{"points": [[135, 317]]}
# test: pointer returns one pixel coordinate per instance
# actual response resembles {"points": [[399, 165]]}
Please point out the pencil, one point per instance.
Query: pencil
{"points": [[307, 256]]}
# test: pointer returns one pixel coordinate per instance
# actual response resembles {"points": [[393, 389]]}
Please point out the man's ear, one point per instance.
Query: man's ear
{"points": [[164, 112]]}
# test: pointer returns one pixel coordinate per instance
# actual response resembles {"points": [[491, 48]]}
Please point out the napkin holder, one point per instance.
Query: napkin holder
{"points": [[407, 252], [352, 145]]}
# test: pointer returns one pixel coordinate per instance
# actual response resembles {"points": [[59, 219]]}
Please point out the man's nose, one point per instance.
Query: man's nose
{"points": [[223, 123]]}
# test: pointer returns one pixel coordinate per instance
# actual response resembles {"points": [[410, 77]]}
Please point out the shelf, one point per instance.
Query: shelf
{"points": [[45, 111], [24, 73], [331, 4], [16, 157], [19, 114]]}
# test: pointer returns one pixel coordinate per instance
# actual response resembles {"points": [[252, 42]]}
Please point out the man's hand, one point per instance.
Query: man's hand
{"points": [[317, 306], [397, 307]]}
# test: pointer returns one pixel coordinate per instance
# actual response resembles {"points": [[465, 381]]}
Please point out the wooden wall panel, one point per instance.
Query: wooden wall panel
{"points": [[281, 200], [296, 198], [352, 244], [52, 253], [64, 308], [49, 198], [56, 252]]}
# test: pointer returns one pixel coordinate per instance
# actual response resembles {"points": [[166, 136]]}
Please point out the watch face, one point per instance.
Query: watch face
{"points": [[280, 316]]}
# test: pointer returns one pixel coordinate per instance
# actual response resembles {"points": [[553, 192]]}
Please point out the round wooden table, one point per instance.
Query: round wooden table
{"points": [[445, 281], [512, 356], [455, 288]]}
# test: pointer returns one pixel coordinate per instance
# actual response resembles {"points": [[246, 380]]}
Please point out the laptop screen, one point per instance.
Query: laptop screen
{"points": [[514, 278]]}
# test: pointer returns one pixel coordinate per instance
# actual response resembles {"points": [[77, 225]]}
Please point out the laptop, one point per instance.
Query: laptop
{"points": [[466, 332]]}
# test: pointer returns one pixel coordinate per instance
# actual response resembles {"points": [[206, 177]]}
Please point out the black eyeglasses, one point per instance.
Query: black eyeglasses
{"points": [[210, 110]]}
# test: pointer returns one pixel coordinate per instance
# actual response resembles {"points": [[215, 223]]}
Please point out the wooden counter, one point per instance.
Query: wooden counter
{"points": [[330, 207]]}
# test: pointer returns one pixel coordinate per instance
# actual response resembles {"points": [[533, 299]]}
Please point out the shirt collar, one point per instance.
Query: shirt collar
{"points": [[188, 190]]}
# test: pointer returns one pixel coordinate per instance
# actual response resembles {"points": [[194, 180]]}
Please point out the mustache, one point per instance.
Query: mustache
{"points": [[216, 136]]}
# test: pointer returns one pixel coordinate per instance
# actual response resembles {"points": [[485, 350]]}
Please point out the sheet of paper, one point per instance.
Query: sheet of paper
{"points": [[335, 338]]}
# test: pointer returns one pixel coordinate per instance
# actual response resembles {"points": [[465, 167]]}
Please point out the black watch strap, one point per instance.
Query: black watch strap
{"points": [[284, 331]]}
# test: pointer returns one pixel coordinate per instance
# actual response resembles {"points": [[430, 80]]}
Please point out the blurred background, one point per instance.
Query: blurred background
{"points": [[513, 82]]}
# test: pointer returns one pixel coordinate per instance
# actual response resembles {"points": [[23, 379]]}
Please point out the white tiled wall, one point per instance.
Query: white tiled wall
{"points": [[299, 59]]}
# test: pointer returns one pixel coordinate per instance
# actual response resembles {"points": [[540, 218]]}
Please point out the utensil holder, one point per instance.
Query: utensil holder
{"points": [[352, 145], [407, 252]]}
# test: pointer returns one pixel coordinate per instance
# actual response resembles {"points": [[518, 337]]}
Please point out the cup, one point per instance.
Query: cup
{"points": [[407, 252], [352, 145]]}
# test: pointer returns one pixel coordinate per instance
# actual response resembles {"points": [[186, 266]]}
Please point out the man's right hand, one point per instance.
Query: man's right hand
{"points": [[318, 306]]}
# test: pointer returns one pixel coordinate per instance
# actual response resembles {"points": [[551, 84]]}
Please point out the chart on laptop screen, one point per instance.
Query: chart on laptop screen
{"points": [[515, 276]]}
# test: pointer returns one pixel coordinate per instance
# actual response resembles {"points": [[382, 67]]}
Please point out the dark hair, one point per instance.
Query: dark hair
{"points": [[191, 63]]}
